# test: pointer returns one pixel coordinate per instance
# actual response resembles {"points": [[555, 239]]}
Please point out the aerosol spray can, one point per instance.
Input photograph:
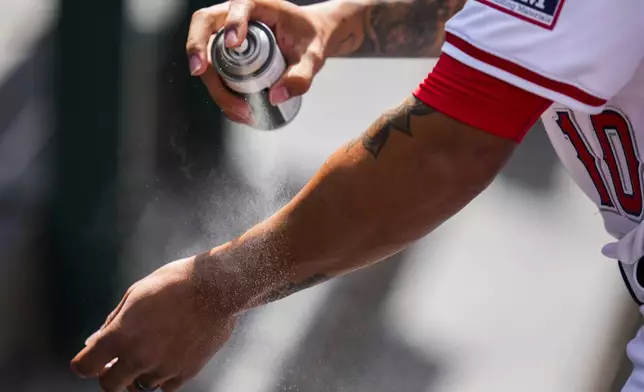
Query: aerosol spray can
{"points": [[250, 70]]}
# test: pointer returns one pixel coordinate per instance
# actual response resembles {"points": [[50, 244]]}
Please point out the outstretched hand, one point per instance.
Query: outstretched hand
{"points": [[165, 329]]}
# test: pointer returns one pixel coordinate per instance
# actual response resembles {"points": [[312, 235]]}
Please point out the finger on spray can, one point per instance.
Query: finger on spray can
{"points": [[250, 69]]}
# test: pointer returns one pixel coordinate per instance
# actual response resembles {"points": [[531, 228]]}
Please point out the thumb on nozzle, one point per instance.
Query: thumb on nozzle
{"points": [[231, 37]]}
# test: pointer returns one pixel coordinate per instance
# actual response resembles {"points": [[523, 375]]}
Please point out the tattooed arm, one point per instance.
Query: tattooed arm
{"points": [[409, 172], [388, 28]]}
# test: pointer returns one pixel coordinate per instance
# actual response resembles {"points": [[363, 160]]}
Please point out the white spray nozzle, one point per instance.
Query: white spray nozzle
{"points": [[242, 48]]}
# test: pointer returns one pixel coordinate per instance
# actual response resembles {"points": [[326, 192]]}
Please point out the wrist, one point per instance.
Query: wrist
{"points": [[237, 276], [217, 283]]}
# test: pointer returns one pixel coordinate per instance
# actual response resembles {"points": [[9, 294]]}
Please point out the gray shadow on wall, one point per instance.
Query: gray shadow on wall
{"points": [[348, 346], [350, 349]]}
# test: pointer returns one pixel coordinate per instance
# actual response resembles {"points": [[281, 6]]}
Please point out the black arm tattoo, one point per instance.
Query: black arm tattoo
{"points": [[398, 119], [294, 287], [405, 28]]}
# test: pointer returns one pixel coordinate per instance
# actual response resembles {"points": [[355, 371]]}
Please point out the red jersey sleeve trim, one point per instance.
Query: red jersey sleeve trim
{"points": [[480, 100], [524, 73]]}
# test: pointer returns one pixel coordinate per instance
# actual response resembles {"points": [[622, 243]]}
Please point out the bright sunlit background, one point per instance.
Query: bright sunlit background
{"points": [[113, 161]]}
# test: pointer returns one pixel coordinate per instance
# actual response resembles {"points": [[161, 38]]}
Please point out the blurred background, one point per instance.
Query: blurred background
{"points": [[114, 161]]}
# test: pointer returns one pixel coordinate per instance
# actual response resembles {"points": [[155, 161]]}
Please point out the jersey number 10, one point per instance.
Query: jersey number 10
{"points": [[620, 157]]}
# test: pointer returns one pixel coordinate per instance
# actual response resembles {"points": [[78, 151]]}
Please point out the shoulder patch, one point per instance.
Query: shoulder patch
{"points": [[542, 13]]}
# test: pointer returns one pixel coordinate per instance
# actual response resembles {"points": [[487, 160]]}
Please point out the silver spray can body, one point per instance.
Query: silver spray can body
{"points": [[250, 70]]}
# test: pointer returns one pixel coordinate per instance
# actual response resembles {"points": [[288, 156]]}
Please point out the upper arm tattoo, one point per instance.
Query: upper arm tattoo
{"points": [[406, 28], [398, 120]]}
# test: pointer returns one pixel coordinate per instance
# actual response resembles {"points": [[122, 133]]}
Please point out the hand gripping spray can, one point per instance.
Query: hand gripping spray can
{"points": [[250, 70]]}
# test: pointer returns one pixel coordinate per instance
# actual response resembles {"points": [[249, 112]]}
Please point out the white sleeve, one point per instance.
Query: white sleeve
{"points": [[575, 52]]}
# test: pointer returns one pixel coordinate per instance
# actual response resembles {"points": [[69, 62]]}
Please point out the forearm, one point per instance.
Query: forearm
{"points": [[410, 171], [387, 28]]}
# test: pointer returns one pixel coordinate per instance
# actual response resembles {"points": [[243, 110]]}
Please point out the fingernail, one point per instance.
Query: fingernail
{"points": [[279, 95], [231, 38], [195, 64]]}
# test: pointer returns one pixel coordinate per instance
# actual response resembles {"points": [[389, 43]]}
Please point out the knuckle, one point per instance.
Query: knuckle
{"points": [[200, 14], [239, 9], [316, 58], [131, 289], [193, 43], [110, 317]]}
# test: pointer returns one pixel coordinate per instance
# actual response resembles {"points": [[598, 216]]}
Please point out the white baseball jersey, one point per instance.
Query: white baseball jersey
{"points": [[586, 56]]}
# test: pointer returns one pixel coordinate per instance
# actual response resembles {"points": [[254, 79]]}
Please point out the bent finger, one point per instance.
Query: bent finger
{"points": [[94, 357], [234, 117], [205, 22], [227, 101], [241, 12], [295, 81], [236, 25]]}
